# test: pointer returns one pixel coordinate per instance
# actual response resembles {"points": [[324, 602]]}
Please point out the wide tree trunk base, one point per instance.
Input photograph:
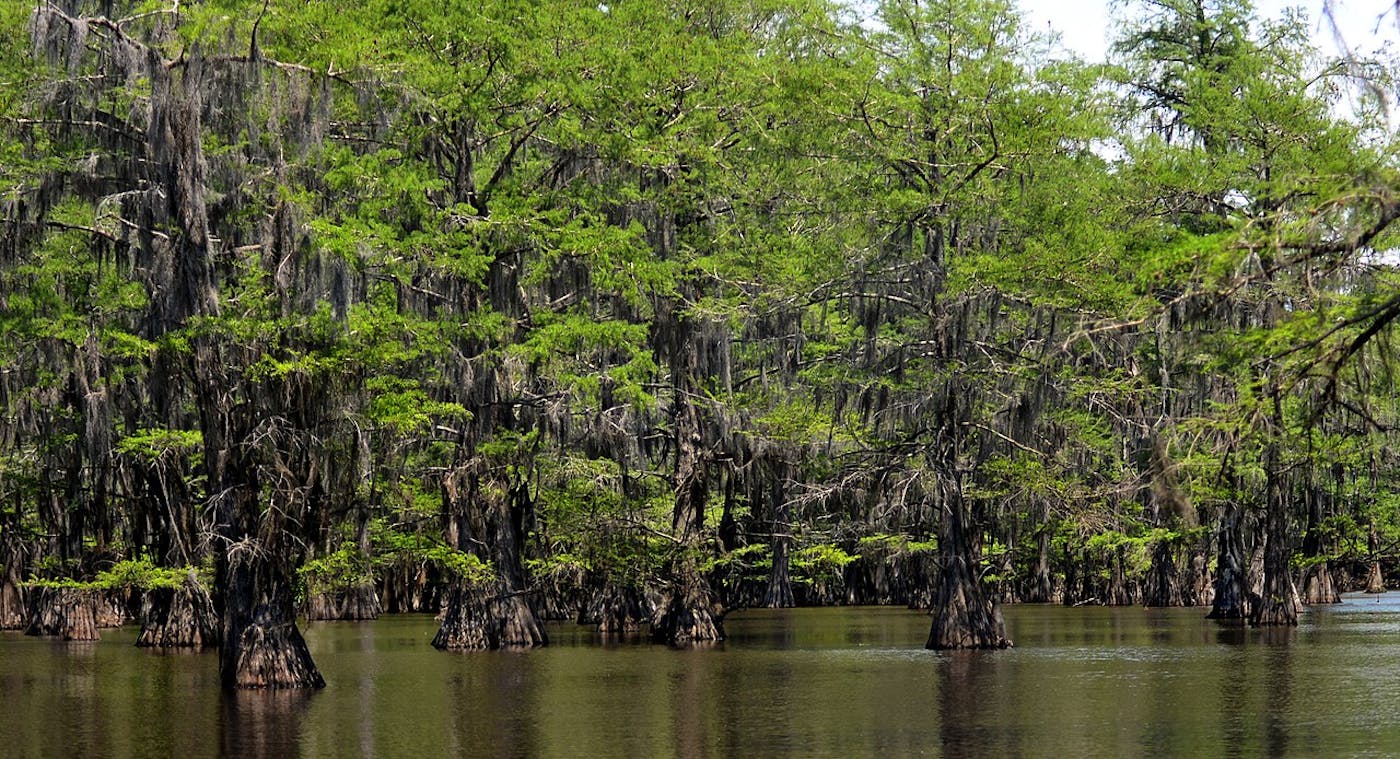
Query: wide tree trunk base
{"points": [[67, 613], [960, 626], [13, 614], [618, 610], [1275, 613], [182, 617], [113, 607], [272, 654], [356, 603], [1318, 587], [480, 619], [1375, 581], [690, 616]]}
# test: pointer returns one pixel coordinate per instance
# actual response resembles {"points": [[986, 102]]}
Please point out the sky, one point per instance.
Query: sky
{"points": [[1085, 26]]}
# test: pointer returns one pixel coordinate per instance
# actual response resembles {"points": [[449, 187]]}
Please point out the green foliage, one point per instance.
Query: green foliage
{"points": [[129, 574]]}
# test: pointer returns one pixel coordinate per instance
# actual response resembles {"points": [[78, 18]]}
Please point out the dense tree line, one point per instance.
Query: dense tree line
{"points": [[637, 312]]}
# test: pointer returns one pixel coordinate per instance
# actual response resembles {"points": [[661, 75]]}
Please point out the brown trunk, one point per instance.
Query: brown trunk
{"points": [[1163, 579], [272, 654], [181, 617], [1375, 581], [1231, 602], [112, 607], [1278, 603], [1318, 587], [12, 607], [689, 615], [963, 616], [261, 646], [691, 612], [1042, 589], [485, 512], [360, 602], [488, 618], [1202, 589], [617, 610], [67, 613]]}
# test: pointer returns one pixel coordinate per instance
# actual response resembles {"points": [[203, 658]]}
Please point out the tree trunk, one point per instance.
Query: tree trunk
{"points": [[617, 610], [485, 511], [1318, 586], [1042, 589], [487, 618], [261, 646], [1278, 603], [1375, 580], [1231, 602], [182, 617], [357, 603], [779, 592], [690, 614], [963, 616], [67, 613], [1202, 587], [1163, 579], [12, 606]]}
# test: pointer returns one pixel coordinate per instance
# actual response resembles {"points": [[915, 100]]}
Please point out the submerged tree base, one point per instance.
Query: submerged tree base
{"points": [[12, 608], [1318, 585], [618, 610], [958, 627], [688, 617], [361, 602], [272, 654], [67, 613], [181, 617], [478, 619], [1375, 581]]}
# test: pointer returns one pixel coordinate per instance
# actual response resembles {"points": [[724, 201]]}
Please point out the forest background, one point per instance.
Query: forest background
{"points": [[636, 312]]}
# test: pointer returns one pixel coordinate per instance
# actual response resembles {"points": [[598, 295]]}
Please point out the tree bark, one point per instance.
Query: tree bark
{"points": [[1163, 578], [359, 602], [485, 513], [779, 593], [182, 617], [618, 610], [963, 615], [1231, 602], [67, 613], [486, 618], [1278, 604]]}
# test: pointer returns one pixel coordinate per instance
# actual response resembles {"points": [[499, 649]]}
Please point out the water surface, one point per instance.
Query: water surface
{"points": [[802, 682]]}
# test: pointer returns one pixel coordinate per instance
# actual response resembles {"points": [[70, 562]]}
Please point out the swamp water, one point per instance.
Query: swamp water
{"points": [[802, 682]]}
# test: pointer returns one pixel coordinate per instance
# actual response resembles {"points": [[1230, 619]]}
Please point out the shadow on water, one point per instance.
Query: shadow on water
{"points": [[262, 723], [497, 709], [964, 726], [1258, 667]]}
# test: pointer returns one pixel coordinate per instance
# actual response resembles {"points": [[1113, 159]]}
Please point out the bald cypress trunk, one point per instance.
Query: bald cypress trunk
{"points": [[1231, 602], [1375, 580], [66, 613], [179, 617], [691, 612], [779, 592], [964, 616], [1278, 603], [485, 502], [13, 609], [617, 610], [1317, 584]]}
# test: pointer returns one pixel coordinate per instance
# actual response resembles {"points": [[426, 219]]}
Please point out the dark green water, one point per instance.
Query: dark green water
{"points": [[809, 682]]}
